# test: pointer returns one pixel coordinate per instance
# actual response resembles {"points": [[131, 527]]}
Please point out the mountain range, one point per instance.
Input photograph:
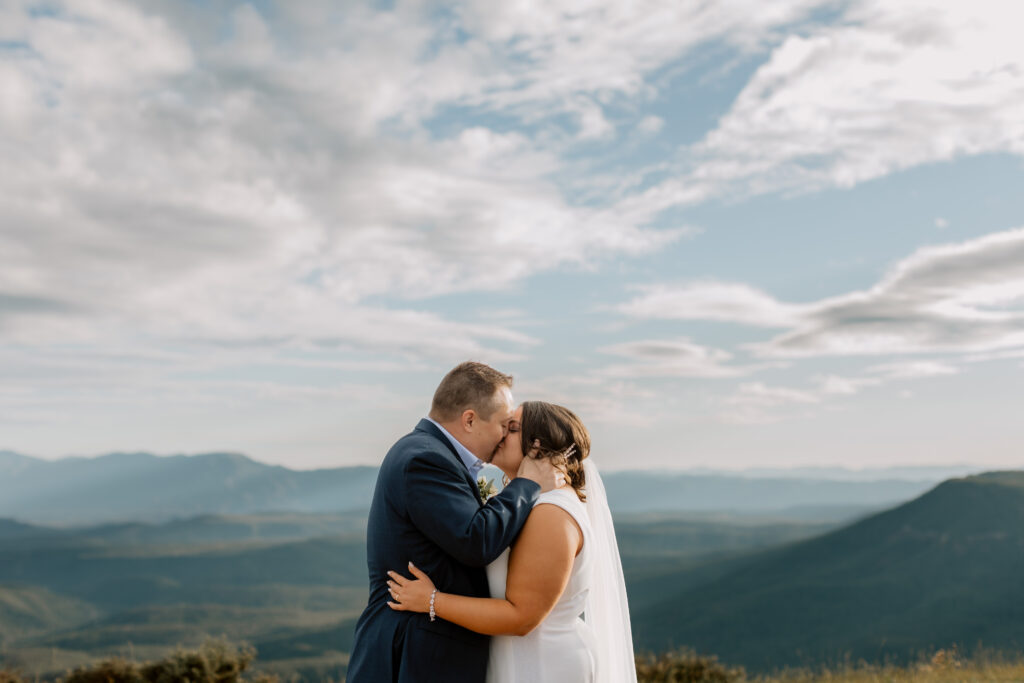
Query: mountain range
{"points": [[145, 487], [943, 569], [137, 487]]}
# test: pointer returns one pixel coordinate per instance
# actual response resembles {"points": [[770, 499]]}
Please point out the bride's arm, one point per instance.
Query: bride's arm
{"points": [[539, 568]]}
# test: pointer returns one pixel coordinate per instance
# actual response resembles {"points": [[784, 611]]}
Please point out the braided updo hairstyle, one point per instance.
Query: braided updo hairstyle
{"points": [[558, 429]]}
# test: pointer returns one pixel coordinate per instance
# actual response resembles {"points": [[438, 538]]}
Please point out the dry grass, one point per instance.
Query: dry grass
{"points": [[1005, 672], [945, 666], [685, 666], [220, 662], [215, 661]]}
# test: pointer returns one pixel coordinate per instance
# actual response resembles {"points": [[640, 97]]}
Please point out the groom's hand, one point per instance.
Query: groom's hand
{"points": [[540, 470]]}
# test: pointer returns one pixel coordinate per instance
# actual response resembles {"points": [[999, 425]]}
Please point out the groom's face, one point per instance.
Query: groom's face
{"points": [[486, 434]]}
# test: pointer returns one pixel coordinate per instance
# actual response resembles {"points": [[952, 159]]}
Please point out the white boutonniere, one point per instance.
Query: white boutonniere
{"points": [[487, 488]]}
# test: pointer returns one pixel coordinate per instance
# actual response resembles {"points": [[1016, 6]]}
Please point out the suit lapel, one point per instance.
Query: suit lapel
{"points": [[430, 428]]}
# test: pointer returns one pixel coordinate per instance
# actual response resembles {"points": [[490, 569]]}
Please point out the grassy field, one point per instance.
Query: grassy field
{"points": [[944, 666], [218, 660], [968, 671], [988, 672]]}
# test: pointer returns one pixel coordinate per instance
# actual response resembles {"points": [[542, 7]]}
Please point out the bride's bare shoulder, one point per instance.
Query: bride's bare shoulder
{"points": [[551, 522]]}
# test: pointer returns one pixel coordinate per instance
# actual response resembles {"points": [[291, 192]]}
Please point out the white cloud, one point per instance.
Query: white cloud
{"points": [[669, 358], [955, 298], [994, 356], [597, 400], [757, 403], [592, 122], [844, 386], [724, 301], [551, 52], [650, 125], [190, 173], [890, 86], [97, 45], [878, 375], [17, 96], [964, 300], [760, 394], [251, 189], [913, 370]]}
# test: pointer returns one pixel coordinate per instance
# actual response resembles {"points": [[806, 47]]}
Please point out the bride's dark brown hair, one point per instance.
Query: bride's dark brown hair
{"points": [[558, 429]]}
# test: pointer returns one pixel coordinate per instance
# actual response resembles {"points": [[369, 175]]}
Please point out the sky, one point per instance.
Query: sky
{"points": [[727, 234]]}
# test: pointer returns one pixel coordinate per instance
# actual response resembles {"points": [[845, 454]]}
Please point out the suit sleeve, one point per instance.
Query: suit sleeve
{"points": [[442, 506]]}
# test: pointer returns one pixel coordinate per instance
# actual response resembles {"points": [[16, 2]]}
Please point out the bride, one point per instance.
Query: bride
{"points": [[558, 607]]}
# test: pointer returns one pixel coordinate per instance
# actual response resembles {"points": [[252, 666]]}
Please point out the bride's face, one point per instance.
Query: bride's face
{"points": [[510, 450]]}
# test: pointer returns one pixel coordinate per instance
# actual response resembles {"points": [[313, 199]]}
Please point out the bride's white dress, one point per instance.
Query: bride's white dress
{"points": [[562, 649]]}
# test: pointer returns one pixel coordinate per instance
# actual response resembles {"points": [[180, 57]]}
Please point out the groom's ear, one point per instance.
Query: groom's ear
{"points": [[468, 418]]}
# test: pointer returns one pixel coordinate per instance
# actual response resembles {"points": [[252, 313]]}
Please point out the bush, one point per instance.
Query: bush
{"points": [[215, 661], [685, 666], [113, 670]]}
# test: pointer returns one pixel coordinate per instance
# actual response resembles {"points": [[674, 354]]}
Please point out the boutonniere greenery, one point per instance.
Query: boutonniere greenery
{"points": [[487, 488]]}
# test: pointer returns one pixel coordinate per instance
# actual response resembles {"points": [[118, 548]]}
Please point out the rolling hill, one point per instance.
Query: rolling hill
{"points": [[290, 583], [944, 568], [29, 610]]}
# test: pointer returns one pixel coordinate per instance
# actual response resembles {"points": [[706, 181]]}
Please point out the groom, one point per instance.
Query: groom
{"points": [[427, 510]]}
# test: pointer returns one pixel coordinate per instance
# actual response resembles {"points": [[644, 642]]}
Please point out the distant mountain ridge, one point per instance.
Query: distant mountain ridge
{"points": [[643, 492], [121, 487], [911, 472], [11, 462], [944, 568], [194, 532], [145, 487]]}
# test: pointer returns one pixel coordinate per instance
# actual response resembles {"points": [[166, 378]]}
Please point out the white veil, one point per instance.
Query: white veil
{"points": [[607, 610]]}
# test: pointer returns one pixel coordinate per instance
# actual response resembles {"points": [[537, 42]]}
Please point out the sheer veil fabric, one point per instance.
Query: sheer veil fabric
{"points": [[607, 609]]}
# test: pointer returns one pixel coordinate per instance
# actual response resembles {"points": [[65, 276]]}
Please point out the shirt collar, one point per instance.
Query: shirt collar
{"points": [[473, 463]]}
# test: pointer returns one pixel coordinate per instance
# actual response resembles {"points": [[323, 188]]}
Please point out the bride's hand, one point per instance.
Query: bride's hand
{"points": [[410, 595], [541, 470]]}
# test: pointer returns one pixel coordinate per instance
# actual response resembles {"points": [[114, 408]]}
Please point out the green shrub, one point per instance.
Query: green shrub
{"points": [[216, 661], [114, 670], [685, 666]]}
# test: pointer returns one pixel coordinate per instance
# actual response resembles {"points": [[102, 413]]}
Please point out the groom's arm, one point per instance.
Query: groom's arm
{"points": [[442, 507]]}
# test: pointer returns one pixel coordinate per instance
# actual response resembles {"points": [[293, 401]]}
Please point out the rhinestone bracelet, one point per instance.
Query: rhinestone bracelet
{"points": [[433, 595]]}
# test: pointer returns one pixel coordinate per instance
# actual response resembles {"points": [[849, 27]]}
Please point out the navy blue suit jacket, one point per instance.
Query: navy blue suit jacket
{"points": [[427, 510]]}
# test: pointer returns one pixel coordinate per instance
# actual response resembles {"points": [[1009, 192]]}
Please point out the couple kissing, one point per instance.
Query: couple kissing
{"points": [[525, 586]]}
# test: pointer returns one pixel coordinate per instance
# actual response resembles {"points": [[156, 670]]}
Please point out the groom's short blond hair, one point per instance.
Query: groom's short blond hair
{"points": [[469, 385]]}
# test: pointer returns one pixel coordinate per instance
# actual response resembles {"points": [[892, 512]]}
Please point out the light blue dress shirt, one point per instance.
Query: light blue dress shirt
{"points": [[474, 463]]}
